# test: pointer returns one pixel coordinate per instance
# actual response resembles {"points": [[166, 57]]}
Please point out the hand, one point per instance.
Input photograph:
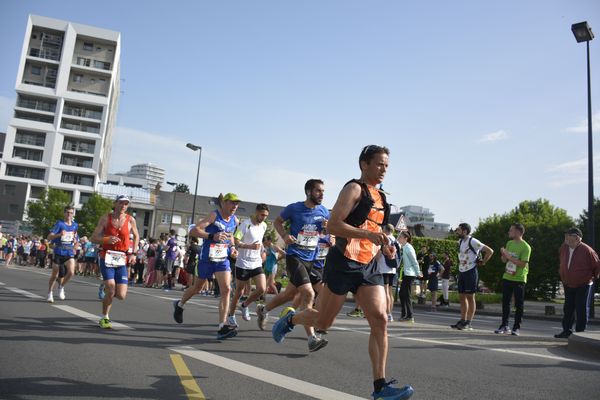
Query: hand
{"points": [[420, 274], [504, 253], [234, 252], [131, 259], [389, 251], [253, 246], [289, 239], [220, 236], [113, 240], [378, 238]]}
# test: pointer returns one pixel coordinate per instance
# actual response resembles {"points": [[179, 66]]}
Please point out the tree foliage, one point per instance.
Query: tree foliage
{"points": [[583, 224], [90, 213], [439, 247], [544, 227], [182, 188], [43, 213]]}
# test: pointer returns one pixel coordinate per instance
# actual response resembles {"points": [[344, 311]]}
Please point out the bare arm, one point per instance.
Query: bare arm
{"points": [[136, 235], [487, 253], [98, 235], [199, 229], [506, 257]]}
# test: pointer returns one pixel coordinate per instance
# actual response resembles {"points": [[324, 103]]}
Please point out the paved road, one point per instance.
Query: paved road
{"points": [[57, 352]]}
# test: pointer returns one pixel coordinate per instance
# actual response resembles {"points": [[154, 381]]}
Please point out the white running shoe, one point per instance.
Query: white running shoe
{"points": [[245, 313], [61, 292], [50, 298], [231, 321], [390, 318]]}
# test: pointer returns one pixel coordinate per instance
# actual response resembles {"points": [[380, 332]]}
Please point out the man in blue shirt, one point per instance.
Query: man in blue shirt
{"points": [[306, 220], [170, 257], [63, 236]]}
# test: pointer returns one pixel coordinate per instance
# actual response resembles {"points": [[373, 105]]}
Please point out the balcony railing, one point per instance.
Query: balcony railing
{"points": [[36, 105], [82, 112], [44, 53]]}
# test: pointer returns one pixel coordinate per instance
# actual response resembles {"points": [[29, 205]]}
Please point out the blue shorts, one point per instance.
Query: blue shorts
{"points": [[119, 274], [206, 269], [467, 281]]}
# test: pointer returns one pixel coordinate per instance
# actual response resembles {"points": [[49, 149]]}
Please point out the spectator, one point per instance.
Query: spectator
{"points": [[410, 272], [433, 272], [445, 301]]}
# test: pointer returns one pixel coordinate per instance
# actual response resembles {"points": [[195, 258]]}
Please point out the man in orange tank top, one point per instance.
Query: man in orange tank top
{"points": [[113, 234], [356, 221]]}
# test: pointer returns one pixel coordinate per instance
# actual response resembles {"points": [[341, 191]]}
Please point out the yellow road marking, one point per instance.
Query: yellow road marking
{"points": [[188, 382]]}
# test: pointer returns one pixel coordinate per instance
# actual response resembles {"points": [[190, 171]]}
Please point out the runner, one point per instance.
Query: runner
{"points": [[118, 251], [387, 268], [306, 219], [356, 220], [469, 250], [64, 237], [217, 231], [272, 253], [248, 241]]}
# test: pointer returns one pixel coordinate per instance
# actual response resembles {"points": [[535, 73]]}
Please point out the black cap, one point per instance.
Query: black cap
{"points": [[574, 231]]}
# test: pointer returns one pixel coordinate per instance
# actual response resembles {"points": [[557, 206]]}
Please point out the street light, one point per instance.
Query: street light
{"points": [[583, 33], [174, 184], [195, 148]]}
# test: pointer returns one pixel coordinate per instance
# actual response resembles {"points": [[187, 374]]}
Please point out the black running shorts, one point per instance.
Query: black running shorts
{"points": [[343, 275], [298, 270]]}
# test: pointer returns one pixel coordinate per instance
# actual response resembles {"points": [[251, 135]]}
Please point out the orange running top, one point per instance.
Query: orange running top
{"points": [[122, 233], [363, 250]]}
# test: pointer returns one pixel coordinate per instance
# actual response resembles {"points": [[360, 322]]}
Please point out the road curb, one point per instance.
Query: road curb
{"points": [[585, 344]]}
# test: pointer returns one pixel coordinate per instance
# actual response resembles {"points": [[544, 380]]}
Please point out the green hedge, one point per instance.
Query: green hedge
{"points": [[439, 247]]}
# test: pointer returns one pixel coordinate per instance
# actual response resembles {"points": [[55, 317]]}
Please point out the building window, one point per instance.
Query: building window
{"points": [[75, 161], [27, 154], [88, 46], [25, 172], [36, 192], [77, 78], [77, 179], [13, 208], [165, 219], [83, 61], [84, 197], [146, 218], [35, 70], [80, 146], [10, 190]]}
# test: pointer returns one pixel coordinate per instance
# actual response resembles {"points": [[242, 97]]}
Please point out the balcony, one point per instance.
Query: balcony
{"points": [[49, 54], [38, 105], [80, 126], [48, 119], [82, 112]]}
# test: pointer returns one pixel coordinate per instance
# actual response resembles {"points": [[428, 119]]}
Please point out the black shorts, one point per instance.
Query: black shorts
{"points": [[167, 267], [60, 262], [298, 270], [316, 275], [245, 274], [91, 260], [191, 268], [343, 275], [467, 281], [388, 279]]}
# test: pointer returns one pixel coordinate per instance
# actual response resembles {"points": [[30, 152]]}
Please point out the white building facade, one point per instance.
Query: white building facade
{"points": [[67, 96], [153, 174]]}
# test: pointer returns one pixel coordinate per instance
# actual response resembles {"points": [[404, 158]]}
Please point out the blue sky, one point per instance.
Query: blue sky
{"points": [[482, 104]]}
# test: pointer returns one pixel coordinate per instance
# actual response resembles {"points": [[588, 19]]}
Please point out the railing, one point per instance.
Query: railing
{"points": [[30, 141], [47, 54], [82, 112], [80, 127], [32, 117], [36, 105]]}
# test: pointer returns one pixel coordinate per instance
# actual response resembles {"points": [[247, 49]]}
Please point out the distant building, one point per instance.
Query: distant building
{"points": [[420, 222], [152, 174]]}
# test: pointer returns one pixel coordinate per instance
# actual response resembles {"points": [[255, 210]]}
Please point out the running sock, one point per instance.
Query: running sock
{"points": [[180, 304], [289, 320], [378, 384], [105, 316], [221, 325]]}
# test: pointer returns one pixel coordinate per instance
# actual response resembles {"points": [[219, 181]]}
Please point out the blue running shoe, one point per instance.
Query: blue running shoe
{"points": [[226, 332], [101, 292], [282, 327], [390, 392]]}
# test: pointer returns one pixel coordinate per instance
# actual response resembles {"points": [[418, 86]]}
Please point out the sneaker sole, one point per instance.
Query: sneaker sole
{"points": [[322, 344], [227, 335]]}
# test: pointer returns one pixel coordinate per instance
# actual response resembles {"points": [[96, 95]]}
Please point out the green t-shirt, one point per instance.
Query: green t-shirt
{"points": [[522, 251]]}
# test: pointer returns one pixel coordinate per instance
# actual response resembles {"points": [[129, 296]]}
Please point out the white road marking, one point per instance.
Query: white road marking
{"points": [[89, 316], [23, 292], [273, 378], [1, 283]]}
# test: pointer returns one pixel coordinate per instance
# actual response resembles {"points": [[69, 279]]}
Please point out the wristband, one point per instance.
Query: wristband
{"points": [[211, 236], [105, 239]]}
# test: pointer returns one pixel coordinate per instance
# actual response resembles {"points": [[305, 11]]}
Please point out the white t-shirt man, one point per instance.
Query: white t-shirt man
{"points": [[467, 258], [382, 266], [248, 233]]}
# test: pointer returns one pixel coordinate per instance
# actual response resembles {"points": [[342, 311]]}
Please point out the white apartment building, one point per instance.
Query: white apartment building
{"points": [[67, 95], [152, 173]]}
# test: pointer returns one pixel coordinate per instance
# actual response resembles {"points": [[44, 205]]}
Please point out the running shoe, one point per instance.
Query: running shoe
{"points": [[355, 313], [232, 321], [245, 313], [321, 331], [457, 325], [563, 335], [283, 326], [409, 320], [390, 392], [101, 293], [316, 343], [61, 292], [177, 312], [243, 299], [515, 332], [390, 318], [502, 330], [226, 332], [104, 323], [466, 326], [50, 298], [261, 316], [286, 311]]}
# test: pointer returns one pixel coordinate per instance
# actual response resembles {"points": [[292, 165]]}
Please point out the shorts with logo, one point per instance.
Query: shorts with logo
{"points": [[316, 275], [298, 270], [206, 269], [467, 281], [61, 261], [245, 274], [118, 274], [343, 275]]}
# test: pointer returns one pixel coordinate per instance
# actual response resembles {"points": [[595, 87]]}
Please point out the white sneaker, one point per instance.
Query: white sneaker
{"points": [[390, 318], [61, 292], [50, 298], [232, 321], [245, 313]]}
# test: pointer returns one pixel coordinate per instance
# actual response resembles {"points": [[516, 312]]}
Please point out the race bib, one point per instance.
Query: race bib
{"points": [[67, 237], [430, 271], [511, 268], [115, 259], [307, 239], [217, 252], [322, 251]]}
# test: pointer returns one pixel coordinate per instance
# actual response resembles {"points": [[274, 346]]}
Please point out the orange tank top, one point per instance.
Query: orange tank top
{"points": [[363, 250], [122, 233]]}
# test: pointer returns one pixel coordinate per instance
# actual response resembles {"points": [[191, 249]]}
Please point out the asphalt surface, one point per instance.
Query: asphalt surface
{"points": [[57, 351]]}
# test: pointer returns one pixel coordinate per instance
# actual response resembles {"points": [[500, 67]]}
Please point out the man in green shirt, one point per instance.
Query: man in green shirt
{"points": [[516, 256]]}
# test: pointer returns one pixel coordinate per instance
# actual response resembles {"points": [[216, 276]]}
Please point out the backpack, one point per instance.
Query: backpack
{"points": [[477, 255]]}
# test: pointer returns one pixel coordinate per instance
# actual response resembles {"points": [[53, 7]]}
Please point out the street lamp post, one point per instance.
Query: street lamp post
{"points": [[583, 33], [199, 149], [174, 184]]}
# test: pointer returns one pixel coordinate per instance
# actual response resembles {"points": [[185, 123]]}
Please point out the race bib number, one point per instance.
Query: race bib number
{"points": [[115, 259], [67, 237], [430, 271], [307, 239], [322, 251], [511, 268], [217, 252]]}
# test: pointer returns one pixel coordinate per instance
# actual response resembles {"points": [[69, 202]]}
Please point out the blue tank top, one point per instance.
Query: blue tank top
{"points": [[218, 251], [64, 245]]}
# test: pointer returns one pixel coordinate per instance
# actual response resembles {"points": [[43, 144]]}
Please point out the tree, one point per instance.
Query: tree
{"points": [[584, 221], [90, 213], [182, 188], [43, 213], [544, 227]]}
